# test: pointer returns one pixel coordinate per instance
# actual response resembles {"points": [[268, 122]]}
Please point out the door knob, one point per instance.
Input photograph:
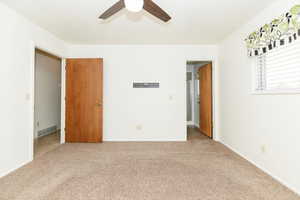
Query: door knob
{"points": [[99, 104]]}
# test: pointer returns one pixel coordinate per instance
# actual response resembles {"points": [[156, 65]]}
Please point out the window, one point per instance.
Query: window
{"points": [[279, 70]]}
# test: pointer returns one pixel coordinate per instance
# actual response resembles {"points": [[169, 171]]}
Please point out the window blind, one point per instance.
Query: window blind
{"points": [[279, 69]]}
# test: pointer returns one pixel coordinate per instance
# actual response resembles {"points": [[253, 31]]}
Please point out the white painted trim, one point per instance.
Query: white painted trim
{"points": [[32, 92], [63, 102], [33, 46], [262, 168], [214, 99]]}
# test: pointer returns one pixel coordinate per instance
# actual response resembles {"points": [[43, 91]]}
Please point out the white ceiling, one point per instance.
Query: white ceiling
{"points": [[194, 21]]}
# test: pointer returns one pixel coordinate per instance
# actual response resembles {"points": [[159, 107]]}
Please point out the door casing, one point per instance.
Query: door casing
{"points": [[214, 63], [30, 96]]}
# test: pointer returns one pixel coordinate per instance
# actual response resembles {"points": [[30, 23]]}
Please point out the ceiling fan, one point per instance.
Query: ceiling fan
{"points": [[136, 6]]}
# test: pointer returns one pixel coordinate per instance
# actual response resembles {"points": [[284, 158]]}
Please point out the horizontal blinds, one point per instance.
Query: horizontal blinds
{"points": [[260, 73], [279, 69]]}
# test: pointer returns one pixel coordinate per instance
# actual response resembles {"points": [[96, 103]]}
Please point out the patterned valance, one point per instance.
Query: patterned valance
{"points": [[279, 32]]}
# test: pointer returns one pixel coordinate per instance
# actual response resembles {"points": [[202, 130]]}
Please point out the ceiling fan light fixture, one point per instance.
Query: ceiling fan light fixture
{"points": [[134, 5]]}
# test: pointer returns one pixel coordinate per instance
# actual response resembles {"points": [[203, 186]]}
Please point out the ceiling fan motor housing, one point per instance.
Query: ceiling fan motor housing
{"points": [[134, 5]]}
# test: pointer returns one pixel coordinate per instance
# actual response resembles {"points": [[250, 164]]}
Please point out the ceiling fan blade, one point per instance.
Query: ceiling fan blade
{"points": [[155, 10], [113, 10]]}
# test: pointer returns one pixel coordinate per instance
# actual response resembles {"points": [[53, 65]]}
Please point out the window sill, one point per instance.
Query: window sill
{"points": [[276, 92]]}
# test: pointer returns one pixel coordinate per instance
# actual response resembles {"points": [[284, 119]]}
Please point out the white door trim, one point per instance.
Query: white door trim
{"points": [[214, 93], [33, 46]]}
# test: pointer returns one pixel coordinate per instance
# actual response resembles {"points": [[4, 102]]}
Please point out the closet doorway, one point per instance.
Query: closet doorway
{"points": [[47, 102]]}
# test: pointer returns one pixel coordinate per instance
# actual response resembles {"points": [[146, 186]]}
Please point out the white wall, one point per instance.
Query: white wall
{"points": [[160, 112], [16, 75], [250, 123], [47, 92]]}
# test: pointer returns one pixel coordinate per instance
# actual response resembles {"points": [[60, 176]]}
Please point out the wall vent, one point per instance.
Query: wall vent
{"points": [[47, 131]]}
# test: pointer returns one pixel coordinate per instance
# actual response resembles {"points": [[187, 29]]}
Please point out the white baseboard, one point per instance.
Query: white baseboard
{"points": [[263, 169], [190, 123], [14, 169], [193, 124]]}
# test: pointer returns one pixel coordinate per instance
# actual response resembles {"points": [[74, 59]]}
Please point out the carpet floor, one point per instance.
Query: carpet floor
{"points": [[199, 169]]}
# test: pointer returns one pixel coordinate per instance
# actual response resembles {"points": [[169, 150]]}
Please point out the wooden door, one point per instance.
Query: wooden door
{"points": [[205, 77], [84, 93]]}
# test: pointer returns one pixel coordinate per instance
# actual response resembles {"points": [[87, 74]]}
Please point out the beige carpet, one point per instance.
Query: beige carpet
{"points": [[47, 143], [199, 169]]}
